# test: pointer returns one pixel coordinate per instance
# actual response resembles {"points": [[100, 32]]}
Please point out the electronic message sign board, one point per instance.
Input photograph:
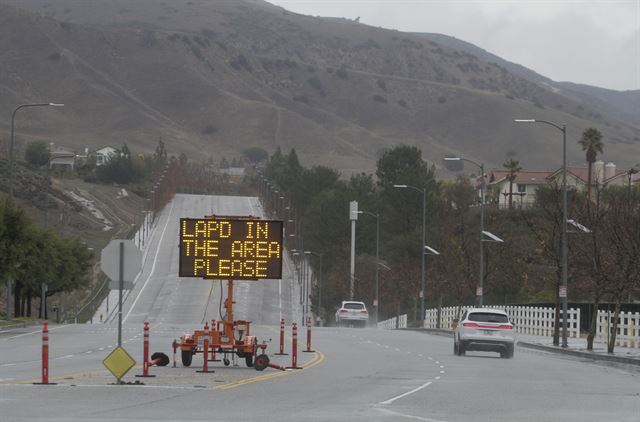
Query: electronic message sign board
{"points": [[230, 248]]}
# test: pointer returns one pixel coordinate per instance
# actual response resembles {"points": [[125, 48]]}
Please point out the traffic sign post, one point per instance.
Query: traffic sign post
{"points": [[117, 268]]}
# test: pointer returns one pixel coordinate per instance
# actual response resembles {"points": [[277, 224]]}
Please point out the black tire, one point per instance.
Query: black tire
{"points": [[510, 352], [461, 349], [187, 357], [249, 360], [226, 362], [261, 362], [455, 348], [163, 360]]}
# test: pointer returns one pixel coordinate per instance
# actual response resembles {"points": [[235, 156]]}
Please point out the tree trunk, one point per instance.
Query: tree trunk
{"points": [[614, 327], [16, 299], [23, 299], [29, 299], [556, 324], [439, 320], [594, 323], [589, 181], [510, 194]]}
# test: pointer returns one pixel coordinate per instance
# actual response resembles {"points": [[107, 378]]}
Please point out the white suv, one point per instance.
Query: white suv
{"points": [[482, 329], [352, 313]]}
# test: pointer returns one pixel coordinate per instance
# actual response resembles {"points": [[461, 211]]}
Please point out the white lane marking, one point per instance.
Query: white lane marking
{"points": [[39, 331], [437, 363], [430, 358], [65, 357], [386, 347], [442, 372], [402, 415], [9, 364], [397, 350], [153, 266], [437, 378], [420, 355], [5, 380], [391, 400], [441, 366]]}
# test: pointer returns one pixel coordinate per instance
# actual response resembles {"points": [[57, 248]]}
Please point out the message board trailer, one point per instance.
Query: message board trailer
{"points": [[239, 248], [229, 248]]}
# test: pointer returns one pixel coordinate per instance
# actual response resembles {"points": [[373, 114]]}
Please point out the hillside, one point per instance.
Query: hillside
{"points": [[212, 78]]}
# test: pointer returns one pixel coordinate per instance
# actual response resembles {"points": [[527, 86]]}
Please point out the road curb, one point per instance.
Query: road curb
{"points": [[579, 353], [542, 347], [436, 331], [19, 325]]}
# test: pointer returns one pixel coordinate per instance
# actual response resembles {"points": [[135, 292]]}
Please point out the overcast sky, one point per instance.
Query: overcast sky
{"points": [[591, 42]]}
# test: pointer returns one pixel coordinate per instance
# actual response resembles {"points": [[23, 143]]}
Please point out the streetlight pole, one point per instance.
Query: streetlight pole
{"points": [[424, 225], [480, 291], [11, 162], [377, 297], [319, 255], [565, 271]]}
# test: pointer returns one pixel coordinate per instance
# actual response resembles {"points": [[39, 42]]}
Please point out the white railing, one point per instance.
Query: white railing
{"points": [[527, 319], [628, 332], [394, 323]]}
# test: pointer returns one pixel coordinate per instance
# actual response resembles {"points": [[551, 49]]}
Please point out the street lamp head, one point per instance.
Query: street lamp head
{"points": [[524, 120], [56, 105], [430, 251], [452, 159], [399, 186]]}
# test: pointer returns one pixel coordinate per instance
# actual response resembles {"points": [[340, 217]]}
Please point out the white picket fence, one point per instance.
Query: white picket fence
{"points": [[628, 333], [527, 319], [394, 323]]}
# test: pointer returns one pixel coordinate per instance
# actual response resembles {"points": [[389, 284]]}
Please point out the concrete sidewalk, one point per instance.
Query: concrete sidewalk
{"points": [[576, 347]]}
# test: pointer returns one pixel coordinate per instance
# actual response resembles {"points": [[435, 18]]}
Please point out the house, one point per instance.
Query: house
{"points": [[524, 187], [61, 158], [526, 182], [103, 155]]}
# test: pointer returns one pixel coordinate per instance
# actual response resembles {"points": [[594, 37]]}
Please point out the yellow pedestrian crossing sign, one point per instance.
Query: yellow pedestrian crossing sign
{"points": [[119, 362]]}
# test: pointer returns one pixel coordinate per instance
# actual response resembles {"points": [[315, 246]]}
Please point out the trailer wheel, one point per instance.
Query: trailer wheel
{"points": [[261, 362], [249, 360], [226, 362], [187, 356]]}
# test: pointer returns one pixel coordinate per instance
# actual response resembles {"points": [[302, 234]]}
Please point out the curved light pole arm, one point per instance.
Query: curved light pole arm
{"points": [[565, 272]]}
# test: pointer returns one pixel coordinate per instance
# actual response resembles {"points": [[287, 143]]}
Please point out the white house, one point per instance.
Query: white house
{"points": [[526, 182], [103, 155], [61, 157]]}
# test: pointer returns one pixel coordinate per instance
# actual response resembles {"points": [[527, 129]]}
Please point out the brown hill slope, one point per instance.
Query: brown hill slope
{"points": [[216, 77]]}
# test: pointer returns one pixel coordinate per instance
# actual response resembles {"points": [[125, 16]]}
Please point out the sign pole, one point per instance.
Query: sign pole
{"points": [[353, 216], [120, 287]]}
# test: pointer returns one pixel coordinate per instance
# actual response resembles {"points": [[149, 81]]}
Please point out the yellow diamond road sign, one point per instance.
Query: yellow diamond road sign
{"points": [[119, 362]]}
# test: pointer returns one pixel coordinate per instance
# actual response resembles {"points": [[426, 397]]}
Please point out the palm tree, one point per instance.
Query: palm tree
{"points": [[591, 142], [514, 167]]}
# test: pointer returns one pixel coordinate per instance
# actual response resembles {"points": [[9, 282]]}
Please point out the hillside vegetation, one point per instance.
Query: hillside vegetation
{"points": [[214, 78]]}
